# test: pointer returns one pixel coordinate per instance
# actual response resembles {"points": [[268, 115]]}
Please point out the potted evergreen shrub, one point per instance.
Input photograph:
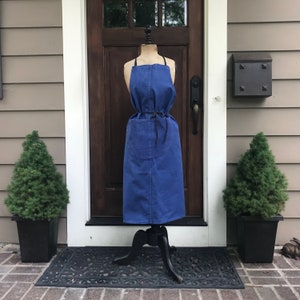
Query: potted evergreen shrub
{"points": [[37, 195], [256, 195]]}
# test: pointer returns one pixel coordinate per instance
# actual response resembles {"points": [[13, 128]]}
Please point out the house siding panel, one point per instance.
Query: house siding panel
{"points": [[32, 64], [271, 121], [263, 36], [291, 172], [6, 172], [19, 124], [263, 11], [12, 148], [268, 26], [31, 96], [280, 145], [8, 230], [28, 69], [285, 65], [292, 207], [34, 13], [3, 209], [29, 41], [285, 93], [287, 229]]}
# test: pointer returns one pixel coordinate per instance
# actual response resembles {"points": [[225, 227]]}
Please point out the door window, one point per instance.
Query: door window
{"points": [[139, 13]]}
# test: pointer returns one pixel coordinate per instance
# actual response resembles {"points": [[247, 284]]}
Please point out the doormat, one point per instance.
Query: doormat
{"points": [[84, 267]]}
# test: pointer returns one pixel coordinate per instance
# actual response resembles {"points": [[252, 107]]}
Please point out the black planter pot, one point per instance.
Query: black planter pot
{"points": [[256, 238], [38, 239]]}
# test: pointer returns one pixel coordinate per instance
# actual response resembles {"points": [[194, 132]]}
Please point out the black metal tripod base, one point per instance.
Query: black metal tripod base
{"points": [[155, 236]]}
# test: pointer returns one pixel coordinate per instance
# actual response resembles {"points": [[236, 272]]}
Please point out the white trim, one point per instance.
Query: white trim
{"points": [[77, 137]]}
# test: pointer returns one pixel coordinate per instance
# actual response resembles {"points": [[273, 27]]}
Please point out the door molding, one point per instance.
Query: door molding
{"points": [[77, 135]]}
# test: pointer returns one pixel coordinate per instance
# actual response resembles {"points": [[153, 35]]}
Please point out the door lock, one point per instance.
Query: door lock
{"points": [[195, 101]]}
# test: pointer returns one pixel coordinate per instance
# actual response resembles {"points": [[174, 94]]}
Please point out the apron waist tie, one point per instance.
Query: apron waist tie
{"points": [[154, 115]]}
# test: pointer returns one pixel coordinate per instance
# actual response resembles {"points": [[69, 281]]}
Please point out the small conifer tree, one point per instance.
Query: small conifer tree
{"points": [[37, 190], [258, 188]]}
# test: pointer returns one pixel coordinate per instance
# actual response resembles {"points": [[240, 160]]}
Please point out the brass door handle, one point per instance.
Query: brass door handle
{"points": [[195, 102], [195, 113]]}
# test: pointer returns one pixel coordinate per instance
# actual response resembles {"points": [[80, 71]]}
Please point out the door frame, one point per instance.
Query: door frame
{"points": [[77, 135]]}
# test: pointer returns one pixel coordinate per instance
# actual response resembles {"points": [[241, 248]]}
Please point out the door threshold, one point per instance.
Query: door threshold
{"points": [[111, 221]]}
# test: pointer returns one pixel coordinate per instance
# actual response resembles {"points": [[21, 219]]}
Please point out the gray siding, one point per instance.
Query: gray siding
{"points": [[268, 26], [33, 90]]}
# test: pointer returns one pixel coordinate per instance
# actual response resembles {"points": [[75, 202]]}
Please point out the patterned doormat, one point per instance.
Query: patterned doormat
{"points": [[93, 267]]}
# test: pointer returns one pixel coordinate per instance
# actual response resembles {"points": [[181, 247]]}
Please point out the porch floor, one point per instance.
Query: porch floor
{"points": [[279, 280]]}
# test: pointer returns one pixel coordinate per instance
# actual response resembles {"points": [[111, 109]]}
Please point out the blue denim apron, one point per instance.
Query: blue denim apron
{"points": [[153, 189]]}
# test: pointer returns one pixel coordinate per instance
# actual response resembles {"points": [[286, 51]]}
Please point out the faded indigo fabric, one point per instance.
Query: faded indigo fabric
{"points": [[153, 191]]}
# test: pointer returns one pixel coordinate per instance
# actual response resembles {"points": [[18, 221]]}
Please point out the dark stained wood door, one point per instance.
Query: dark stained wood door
{"points": [[115, 29]]}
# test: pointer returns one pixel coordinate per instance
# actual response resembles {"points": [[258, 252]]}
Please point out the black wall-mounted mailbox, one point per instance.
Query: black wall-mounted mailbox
{"points": [[252, 75]]}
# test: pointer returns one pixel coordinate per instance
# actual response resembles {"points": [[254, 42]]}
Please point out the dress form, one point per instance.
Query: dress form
{"points": [[156, 235], [148, 56]]}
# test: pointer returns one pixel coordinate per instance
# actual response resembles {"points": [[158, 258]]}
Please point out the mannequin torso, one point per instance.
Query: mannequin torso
{"points": [[148, 56]]}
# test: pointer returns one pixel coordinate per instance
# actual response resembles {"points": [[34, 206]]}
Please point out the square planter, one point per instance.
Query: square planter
{"points": [[256, 238], [38, 239]]}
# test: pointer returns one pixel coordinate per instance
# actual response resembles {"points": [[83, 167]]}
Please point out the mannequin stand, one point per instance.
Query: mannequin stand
{"points": [[155, 236]]}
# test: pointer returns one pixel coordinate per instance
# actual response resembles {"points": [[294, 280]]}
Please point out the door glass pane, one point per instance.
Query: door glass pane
{"points": [[145, 13], [174, 13], [115, 13]]}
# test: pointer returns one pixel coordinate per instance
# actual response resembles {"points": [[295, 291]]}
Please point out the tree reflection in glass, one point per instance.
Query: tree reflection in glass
{"points": [[139, 13]]}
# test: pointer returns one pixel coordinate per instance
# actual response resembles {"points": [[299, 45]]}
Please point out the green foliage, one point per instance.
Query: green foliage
{"points": [[36, 190], [258, 187]]}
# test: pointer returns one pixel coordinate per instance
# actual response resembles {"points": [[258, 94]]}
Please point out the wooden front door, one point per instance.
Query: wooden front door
{"points": [[115, 29]]}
